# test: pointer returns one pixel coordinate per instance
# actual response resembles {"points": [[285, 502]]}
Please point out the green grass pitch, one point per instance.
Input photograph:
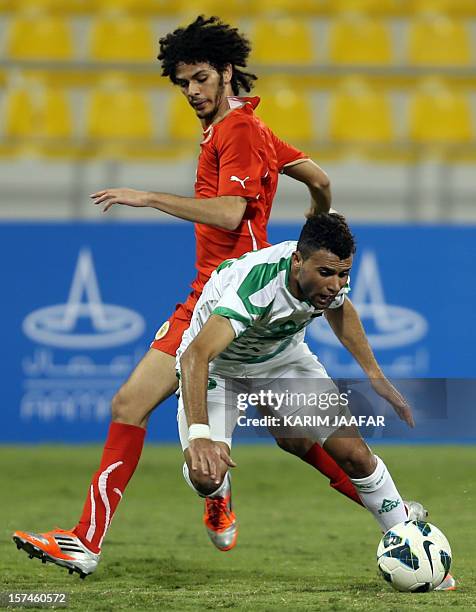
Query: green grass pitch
{"points": [[301, 546]]}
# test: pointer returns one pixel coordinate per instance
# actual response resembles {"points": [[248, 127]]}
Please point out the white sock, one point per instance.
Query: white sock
{"points": [[222, 490], [380, 495]]}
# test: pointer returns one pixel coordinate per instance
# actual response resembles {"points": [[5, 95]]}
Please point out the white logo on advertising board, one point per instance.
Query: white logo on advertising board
{"points": [[393, 326], [56, 325]]}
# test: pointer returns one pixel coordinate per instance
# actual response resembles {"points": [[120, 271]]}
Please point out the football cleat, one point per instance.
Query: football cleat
{"points": [[220, 521], [416, 511], [448, 584], [58, 546]]}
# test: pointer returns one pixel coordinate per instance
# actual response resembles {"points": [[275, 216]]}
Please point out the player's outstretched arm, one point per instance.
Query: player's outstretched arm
{"points": [[347, 326], [223, 211], [214, 337], [308, 172]]}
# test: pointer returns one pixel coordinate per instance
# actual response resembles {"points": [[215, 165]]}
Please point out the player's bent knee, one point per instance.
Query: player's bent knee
{"points": [[295, 446], [359, 462], [122, 409]]}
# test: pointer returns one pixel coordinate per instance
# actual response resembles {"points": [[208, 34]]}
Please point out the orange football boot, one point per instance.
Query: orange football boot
{"points": [[220, 521], [448, 584], [58, 546]]}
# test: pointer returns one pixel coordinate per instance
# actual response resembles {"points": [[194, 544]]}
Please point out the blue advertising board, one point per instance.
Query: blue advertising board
{"points": [[81, 303]]}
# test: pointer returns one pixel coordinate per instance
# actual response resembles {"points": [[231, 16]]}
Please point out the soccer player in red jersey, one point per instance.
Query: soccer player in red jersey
{"points": [[237, 177]]}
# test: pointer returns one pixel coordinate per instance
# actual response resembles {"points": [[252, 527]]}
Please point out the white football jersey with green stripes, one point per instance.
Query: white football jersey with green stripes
{"points": [[252, 292]]}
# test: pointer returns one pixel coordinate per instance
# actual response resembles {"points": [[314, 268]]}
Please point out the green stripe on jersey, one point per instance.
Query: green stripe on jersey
{"points": [[229, 355], [257, 278], [229, 313], [229, 262], [225, 264]]}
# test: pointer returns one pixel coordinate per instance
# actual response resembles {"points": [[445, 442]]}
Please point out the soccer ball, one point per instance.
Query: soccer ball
{"points": [[414, 556]]}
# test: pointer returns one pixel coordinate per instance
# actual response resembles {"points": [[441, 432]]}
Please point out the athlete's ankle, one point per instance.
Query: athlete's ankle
{"points": [[78, 533]]}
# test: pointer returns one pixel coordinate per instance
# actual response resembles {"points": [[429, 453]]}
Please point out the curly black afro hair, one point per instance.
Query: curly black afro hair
{"points": [[327, 231], [207, 40]]}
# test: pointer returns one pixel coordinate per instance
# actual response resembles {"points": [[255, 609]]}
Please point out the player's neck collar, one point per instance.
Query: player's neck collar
{"points": [[234, 103]]}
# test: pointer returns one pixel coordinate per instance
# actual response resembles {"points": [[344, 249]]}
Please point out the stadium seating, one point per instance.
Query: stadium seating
{"points": [[122, 39], [18, 118], [119, 114], [366, 7], [448, 7], [56, 119], [39, 37], [282, 41], [365, 37], [182, 122], [438, 41], [150, 7], [359, 40], [287, 113], [37, 114], [59, 7], [231, 9], [290, 7], [439, 115], [360, 114]]}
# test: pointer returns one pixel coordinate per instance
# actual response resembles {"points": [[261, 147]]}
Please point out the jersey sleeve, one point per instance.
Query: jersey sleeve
{"points": [[240, 161], [286, 153], [232, 308]]}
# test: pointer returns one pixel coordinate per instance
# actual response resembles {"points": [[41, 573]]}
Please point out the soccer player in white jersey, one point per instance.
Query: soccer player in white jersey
{"points": [[249, 323]]}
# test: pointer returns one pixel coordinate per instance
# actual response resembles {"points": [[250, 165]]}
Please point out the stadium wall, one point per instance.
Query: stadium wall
{"points": [[82, 301]]}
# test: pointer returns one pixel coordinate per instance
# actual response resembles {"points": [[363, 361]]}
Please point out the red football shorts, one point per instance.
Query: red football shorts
{"points": [[169, 336]]}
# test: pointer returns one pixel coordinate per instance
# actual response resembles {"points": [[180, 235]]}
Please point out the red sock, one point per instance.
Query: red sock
{"points": [[120, 457], [322, 461]]}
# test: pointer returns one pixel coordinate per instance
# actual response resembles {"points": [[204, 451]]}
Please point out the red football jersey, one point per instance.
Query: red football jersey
{"points": [[240, 156]]}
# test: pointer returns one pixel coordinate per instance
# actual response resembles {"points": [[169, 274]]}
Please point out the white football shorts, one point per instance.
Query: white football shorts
{"points": [[298, 378]]}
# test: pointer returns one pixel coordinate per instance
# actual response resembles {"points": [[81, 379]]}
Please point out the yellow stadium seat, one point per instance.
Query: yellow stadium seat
{"points": [[120, 114], [183, 123], [447, 7], [439, 115], [19, 114], [56, 119], [366, 7], [359, 40], [44, 37], [5, 6], [310, 7], [137, 6], [190, 10], [288, 114], [59, 7], [282, 41], [438, 41], [42, 6], [33, 114], [122, 39], [361, 115]]}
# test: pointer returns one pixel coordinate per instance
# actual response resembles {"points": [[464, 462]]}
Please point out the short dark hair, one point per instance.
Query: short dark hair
{"points": [[207, 40], [327, 231]]}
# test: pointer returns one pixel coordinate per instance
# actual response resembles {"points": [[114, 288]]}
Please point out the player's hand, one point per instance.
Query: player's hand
{"points": [[206, 456], [385, 389], [314, 210], [124, 196]]}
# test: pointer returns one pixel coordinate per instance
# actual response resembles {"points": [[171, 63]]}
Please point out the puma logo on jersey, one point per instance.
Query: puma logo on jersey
{"points": [[238, 180]]}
